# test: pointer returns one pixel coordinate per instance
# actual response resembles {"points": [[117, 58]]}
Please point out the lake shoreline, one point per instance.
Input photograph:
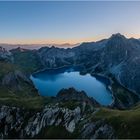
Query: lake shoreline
{"points": [[91, 88]]}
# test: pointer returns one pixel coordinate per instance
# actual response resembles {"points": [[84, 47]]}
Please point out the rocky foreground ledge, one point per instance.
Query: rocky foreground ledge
{"points": [[68, 116], [19, 123]]}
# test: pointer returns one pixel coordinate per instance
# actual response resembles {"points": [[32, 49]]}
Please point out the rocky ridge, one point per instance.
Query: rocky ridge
{"points": [[117, 55], [19, 123], [5, 55], [13, 79]]}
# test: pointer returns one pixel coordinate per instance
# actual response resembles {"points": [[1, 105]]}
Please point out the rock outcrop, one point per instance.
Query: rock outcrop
{"points": [[53, 116], [14, 80], [97, 130], [5, 55], [55, 57], [117, 55], [12, 120], [69, 95], [20, 123]]}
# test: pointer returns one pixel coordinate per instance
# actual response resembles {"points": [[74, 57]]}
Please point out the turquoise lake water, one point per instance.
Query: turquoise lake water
{"points": [[50, 82]]}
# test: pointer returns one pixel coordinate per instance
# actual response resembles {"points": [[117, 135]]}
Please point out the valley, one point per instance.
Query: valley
{"points": [[65, 77], [71, 110]]}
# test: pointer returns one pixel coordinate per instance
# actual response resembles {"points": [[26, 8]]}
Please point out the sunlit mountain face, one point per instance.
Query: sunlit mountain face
{"points": [[69, 70]]}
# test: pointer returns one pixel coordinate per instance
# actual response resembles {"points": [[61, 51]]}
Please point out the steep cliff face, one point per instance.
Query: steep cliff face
{"points": [[71, 114], [16, 89], [27, 60], [117, 55], [5, 55], [67, 98], [13, 79], [76, 122], [12, 120], [53, 116], [97, 130], [56, 57], [121, 58], [61, 122], [20, 123]]}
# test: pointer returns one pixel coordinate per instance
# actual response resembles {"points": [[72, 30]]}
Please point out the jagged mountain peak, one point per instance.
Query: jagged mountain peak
{"points": [[53, 47], [118, 36], [2, 49], [117, 40], [19, 49], [5, 55]]}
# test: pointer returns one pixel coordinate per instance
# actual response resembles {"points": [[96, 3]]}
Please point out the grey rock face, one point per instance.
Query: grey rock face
{"points": [[5, 55], [97, 130], [53, 116], [71, 94], [117, 55], [55, 57], [11, 121], [19, 123], [13, 79], [121, 58]]}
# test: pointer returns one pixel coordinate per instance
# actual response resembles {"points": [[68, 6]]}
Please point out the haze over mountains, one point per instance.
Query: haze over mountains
{"points": [[117, 58], [64, 71], [117, 55], [30, 46], [36, 46]]}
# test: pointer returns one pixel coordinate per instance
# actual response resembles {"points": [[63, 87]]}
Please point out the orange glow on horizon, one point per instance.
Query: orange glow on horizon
{"points": [[60, 41], [45, 41]]}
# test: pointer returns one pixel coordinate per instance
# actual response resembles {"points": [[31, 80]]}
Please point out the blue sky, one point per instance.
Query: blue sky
{"points": [[67, 22]]}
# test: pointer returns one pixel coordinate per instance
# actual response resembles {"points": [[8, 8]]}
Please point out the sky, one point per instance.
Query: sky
{"points": [[40, 22]]}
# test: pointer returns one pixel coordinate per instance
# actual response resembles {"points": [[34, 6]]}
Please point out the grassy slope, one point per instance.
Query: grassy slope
{"points": [[27, 60], [6, 67], [123, 95], [10, 98], [27, 97], [126, 123]]}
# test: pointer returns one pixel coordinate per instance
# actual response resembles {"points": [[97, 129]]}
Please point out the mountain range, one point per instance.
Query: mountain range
{"points": [[117, 58], [37, 46]]}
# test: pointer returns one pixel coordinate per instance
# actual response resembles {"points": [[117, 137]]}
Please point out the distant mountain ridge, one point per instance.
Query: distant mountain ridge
{"points": [[36, 46], [117, 55], [71, 114]]}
